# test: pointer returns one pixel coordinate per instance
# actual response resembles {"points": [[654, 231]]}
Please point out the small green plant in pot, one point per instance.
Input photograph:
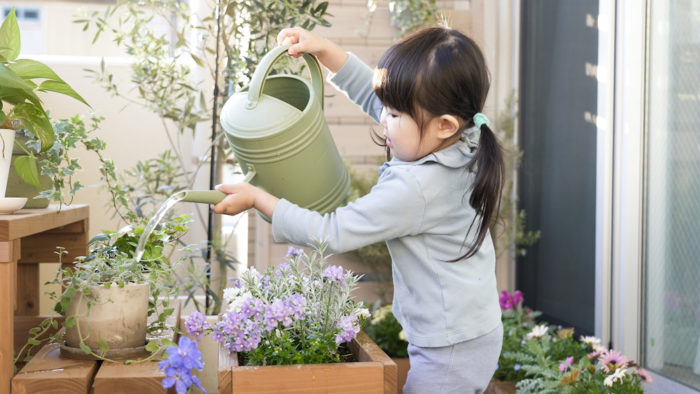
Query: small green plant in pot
{"points": [[92, 297], [20, 106]]}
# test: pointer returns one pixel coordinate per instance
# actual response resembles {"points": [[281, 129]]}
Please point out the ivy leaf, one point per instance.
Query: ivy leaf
{"points": [[69, 322], [152, 346], [85, 348], [104, 348]]}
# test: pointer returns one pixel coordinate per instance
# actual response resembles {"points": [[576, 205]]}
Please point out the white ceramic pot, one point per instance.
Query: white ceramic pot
{"points": [[7, 141], [119, 317]]}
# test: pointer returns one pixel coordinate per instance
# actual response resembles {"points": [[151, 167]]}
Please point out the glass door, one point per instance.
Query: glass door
{"points": [[671, 259]]}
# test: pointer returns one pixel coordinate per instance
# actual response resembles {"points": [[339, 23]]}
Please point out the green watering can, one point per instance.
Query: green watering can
{"points": [[280, 138]]}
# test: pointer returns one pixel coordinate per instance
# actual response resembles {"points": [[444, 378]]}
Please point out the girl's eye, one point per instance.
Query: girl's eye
{"points": [[393, 115]]}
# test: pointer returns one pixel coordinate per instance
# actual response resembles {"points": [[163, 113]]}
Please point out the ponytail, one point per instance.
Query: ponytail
{"points": [[486, 190]]}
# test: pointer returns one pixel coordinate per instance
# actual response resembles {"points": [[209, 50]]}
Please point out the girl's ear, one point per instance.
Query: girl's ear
{"points": [[447, 126]]}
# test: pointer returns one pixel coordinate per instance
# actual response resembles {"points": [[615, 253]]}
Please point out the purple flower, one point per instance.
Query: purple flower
{"points": [[334, 273], [237, 333], [349, 328], [517, 367], [178, 367], [195, 325], [298, 305], [253, 307], [281, 269], [294, 252]]}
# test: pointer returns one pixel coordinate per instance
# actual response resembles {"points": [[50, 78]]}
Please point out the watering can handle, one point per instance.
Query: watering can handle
{"points": [[210, 196], [263, 70]]}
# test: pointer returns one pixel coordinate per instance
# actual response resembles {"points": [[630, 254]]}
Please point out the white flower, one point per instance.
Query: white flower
{"points": [[537, 331], [619, 374], [236, 303], [590, 341], [230, 293], [363, 313], [402, 336]]}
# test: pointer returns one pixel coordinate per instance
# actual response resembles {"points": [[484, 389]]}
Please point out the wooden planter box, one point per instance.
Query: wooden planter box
{"points": [[374, 372], [403, 365], [500, 387]]}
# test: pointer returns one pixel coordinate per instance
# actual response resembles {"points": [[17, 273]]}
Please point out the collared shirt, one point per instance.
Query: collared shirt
{"points": [[421, 209]]}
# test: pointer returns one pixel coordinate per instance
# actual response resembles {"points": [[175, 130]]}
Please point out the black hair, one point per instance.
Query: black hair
{"points": [[441, 71]]}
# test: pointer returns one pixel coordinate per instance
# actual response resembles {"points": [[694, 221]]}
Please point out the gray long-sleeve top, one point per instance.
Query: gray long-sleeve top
{"points": [[421, 209]]}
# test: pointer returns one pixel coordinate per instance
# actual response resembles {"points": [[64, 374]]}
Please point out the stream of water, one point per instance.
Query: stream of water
{"points": [[167, 205]]}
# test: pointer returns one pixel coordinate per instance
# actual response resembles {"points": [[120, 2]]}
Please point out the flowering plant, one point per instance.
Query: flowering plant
{"points": [[299, 312], [182, 359], [547, 359], [386, 331], [517, 320]]}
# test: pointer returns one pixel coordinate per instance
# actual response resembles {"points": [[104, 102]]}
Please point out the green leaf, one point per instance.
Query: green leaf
{"points": [[168, 343], [9, 37], [197, 60], [33, 342], [104, 348], [69, 322], [27, 170], [12, 84], [63, 88], [85, 348], [30, 69], [34, 118], [152, 346]]}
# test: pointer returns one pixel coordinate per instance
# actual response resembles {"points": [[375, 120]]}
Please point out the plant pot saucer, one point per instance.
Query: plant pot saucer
{"points": [[77, 353], [9, 205]]}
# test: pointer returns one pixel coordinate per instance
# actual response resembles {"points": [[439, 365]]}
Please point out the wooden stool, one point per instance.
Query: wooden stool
{"points": [[29, 237]]}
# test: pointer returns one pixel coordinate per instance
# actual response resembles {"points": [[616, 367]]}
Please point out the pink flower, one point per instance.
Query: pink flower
{"points": [[517, 297], [612, 360], [509, 301], [563, 366], [644, 375]]}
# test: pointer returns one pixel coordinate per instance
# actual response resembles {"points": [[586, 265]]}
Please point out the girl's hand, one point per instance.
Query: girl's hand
{"points": [[303, 41], [243, 196]]}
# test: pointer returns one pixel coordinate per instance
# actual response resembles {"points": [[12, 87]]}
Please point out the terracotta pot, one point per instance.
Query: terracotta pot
{"points": [[500, 387], [402, 373], [374, 372], [119, 317]]}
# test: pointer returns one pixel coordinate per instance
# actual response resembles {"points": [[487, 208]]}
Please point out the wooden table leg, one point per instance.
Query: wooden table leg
{"points": [[9, 254]]}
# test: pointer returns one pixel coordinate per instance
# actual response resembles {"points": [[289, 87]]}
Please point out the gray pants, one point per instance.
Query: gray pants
{"points": [[465, 367]]}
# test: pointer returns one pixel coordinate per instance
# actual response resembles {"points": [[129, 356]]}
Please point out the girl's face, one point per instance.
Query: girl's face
{"points": [[403, 135]]}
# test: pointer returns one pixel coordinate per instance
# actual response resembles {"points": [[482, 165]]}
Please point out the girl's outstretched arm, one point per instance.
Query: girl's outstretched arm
{"points": [[303, 41], [243, 196]]}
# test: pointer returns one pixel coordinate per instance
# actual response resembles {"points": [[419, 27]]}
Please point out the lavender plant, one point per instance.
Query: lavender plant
{"points": [[299, 312]]}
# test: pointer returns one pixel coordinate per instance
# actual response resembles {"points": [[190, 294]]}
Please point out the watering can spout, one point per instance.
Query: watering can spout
{"points": [[201, 196]]}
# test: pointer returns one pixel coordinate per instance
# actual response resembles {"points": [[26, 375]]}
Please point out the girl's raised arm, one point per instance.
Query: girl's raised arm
{"points": [[303, 41]]}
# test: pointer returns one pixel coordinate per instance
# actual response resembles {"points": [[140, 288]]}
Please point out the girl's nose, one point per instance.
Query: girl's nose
{"points": [[382, 118]]}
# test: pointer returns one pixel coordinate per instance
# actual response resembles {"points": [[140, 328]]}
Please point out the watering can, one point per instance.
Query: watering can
{"points": [[280, 138]]}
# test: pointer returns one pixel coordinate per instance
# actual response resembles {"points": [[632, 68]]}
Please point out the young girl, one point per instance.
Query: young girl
{"points": [[433, 203]]}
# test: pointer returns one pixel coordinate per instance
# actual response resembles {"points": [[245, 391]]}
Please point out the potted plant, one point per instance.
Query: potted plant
{"points": [[295, 326], [386, 331], [539, 358], [108, 296], [21, 108]]}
